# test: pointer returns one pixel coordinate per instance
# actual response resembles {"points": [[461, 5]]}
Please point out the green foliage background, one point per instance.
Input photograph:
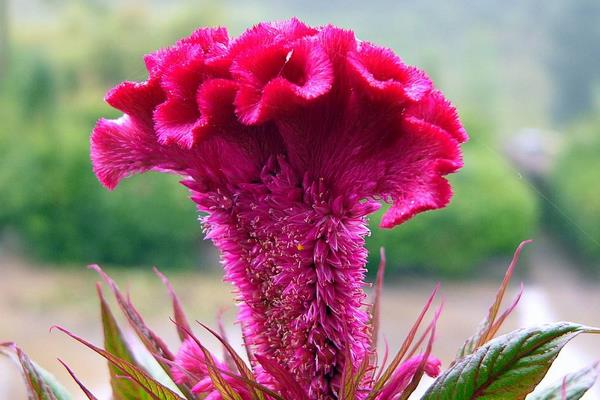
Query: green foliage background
{"points": [[576, 189], [502, 72]]}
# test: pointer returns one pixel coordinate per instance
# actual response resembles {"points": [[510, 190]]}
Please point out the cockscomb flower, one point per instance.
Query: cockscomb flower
{"points": [[288, 137]]}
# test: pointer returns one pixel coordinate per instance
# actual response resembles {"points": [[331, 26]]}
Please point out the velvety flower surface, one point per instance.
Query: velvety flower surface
{"points": [[288, 137]]}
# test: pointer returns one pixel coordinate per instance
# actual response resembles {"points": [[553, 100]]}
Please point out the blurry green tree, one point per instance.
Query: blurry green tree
{"points": [[576, 190]]}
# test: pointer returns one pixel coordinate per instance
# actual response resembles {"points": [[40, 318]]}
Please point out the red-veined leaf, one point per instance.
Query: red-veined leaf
{"points": [[416, 379], [154, 388], [41, 385], [487, 329], [85, 390], [115, 343], [239, 364], [226, 391], [351, 381], [376, 310], [155, 345], [227, 357], [403, 349], [178, 312], [290, 388]]}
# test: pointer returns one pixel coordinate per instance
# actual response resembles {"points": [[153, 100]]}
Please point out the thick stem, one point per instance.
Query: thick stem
{"points": [[295, 253]]}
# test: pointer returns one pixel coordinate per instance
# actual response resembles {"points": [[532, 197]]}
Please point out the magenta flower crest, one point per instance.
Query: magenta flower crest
{"points": [[288, 137]]}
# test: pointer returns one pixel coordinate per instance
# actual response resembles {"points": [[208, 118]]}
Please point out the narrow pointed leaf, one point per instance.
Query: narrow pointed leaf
{"points": [[227, 357], [500, 320], [247, 346], [155, 389], [572, 387], [416, 379], [506, 368], [239, 364], [386, 353], [352, 380], [226, 391], [291, 389], [84, 389], [155, 345], [178, 313], [487, 328], [251, 382], [41, 385], [347, 387], [115, 344], [385, 376], [376, 310], [223, 387]]}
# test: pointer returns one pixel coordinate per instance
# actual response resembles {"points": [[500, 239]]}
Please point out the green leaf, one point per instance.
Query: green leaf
{"points": [[155, 389], [506, 368], [41, 385], [571, 387], [114, 343]]}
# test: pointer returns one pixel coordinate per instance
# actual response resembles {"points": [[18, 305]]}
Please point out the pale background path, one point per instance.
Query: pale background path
{"points": [[558, 292]]}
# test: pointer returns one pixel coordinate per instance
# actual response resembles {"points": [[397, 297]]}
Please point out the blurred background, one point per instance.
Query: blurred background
{"points": [[524, 75]]}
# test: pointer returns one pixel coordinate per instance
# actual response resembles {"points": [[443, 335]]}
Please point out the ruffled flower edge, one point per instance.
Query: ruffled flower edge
{"points": [[208, 85]]}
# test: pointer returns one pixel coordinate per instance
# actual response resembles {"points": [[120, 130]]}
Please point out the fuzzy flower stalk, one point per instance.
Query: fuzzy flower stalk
{"points": [[288, 137]]}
